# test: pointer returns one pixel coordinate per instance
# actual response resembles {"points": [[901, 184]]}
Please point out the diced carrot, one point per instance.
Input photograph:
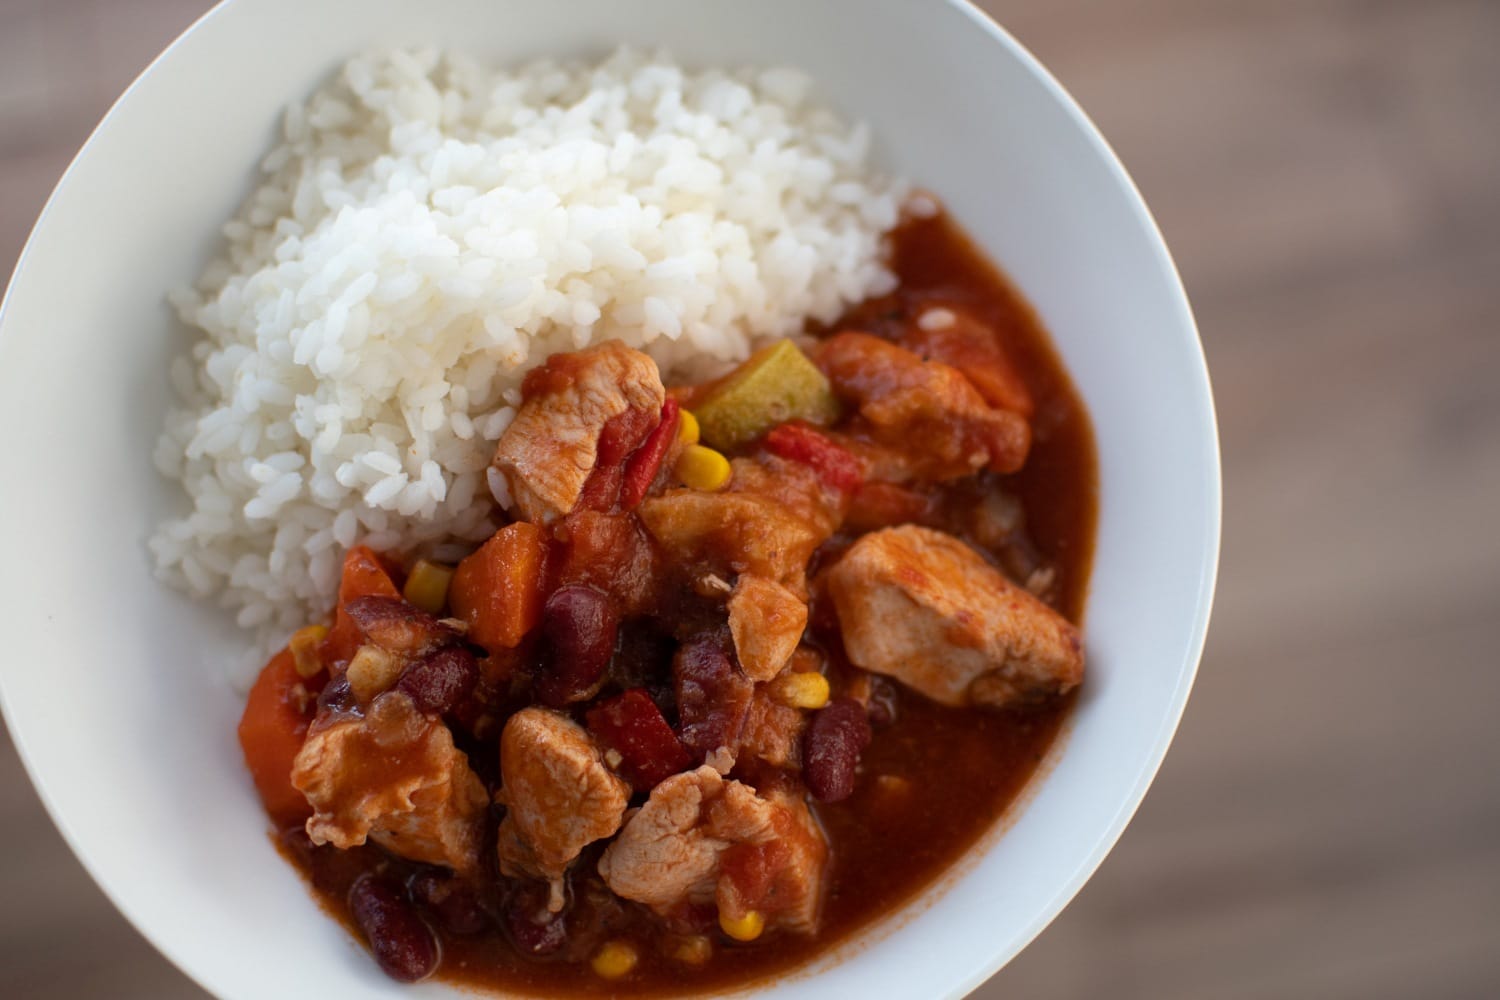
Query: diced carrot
{"points": [[364, 576], [271, 732], [498, 589]]}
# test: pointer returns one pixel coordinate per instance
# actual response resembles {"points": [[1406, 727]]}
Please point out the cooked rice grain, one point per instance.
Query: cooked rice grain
{"points": [[427, 232]]}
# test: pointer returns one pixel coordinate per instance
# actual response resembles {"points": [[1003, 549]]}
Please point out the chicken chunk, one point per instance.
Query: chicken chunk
{"points": [[926, 410], [955, 336], [781, 878], [392, 776], [702, 838], [922, 607], [767, 523], [766, 621], [550, 448], [772, 732], [560, 796]]}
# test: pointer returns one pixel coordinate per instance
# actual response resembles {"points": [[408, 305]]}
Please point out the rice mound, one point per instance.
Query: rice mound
{"points": [[428, 231]]}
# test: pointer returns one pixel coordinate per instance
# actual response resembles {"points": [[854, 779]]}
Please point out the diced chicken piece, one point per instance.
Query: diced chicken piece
{"points": [[392, 776], [766, 523], [560, 796], [956, 337], [781, 878], [669, 850], [766, 621], [928, 412], [549, 449], [922, 607], [675, 848], [772, 731], [793, 485]]}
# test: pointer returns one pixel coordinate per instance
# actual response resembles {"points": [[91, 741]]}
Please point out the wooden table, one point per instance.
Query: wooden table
{"points": [[1328, 174]]}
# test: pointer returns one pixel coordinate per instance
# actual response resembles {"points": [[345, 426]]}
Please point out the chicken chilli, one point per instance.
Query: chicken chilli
{"points": [[755, 661]]}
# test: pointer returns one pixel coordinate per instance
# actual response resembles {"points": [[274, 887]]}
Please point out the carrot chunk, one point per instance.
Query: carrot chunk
{"points": [[271, 732], [498, 589]]}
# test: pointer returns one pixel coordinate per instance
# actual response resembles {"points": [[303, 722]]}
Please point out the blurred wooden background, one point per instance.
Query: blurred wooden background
{"points": [[1328, 175]]}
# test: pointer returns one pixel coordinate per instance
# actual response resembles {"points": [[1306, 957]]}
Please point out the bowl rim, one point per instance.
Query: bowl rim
{"points": [[1210, 477]]}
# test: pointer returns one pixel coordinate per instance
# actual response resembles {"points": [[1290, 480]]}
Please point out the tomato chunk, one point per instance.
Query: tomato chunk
{"points": [[632, 725], [833, 463], [271, 732], [498, 589]]}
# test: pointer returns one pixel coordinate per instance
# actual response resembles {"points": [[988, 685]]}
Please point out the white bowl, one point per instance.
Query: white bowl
{"points": [[129, 736]]}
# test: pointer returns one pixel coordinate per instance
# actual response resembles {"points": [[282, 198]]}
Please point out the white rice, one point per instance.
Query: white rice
{"points": [[427, 232]]}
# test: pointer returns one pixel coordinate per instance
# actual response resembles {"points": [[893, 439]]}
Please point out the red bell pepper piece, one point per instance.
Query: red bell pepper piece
{"points": [[833, 463], [631, 724], [642, 467], [620, 436]]}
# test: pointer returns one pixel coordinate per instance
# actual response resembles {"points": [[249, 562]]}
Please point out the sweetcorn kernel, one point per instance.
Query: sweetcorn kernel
{"points": [[304, 647], [702, 468], [746, 928], [371, 671], [807, 690], [687, 427], [615, 959], [427, 586]]}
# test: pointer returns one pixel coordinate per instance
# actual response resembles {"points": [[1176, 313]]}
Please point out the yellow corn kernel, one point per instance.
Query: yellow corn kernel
{"points": [[687, 427], [801, 690], [694, 950], [427, 586], [615, 959], [702, 468], [371, 671], [304, 647], [746, 928]]}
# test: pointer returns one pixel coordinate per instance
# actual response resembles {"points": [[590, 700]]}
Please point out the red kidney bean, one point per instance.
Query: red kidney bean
{"points": [[531, 928], [580, 625], [403, 944], [454, 903], [440, 680], [831, 747], [398, 627], [336, 696], [713, 697]]}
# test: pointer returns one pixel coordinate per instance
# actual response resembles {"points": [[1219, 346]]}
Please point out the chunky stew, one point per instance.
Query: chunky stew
{"points": [[753, 663]]}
